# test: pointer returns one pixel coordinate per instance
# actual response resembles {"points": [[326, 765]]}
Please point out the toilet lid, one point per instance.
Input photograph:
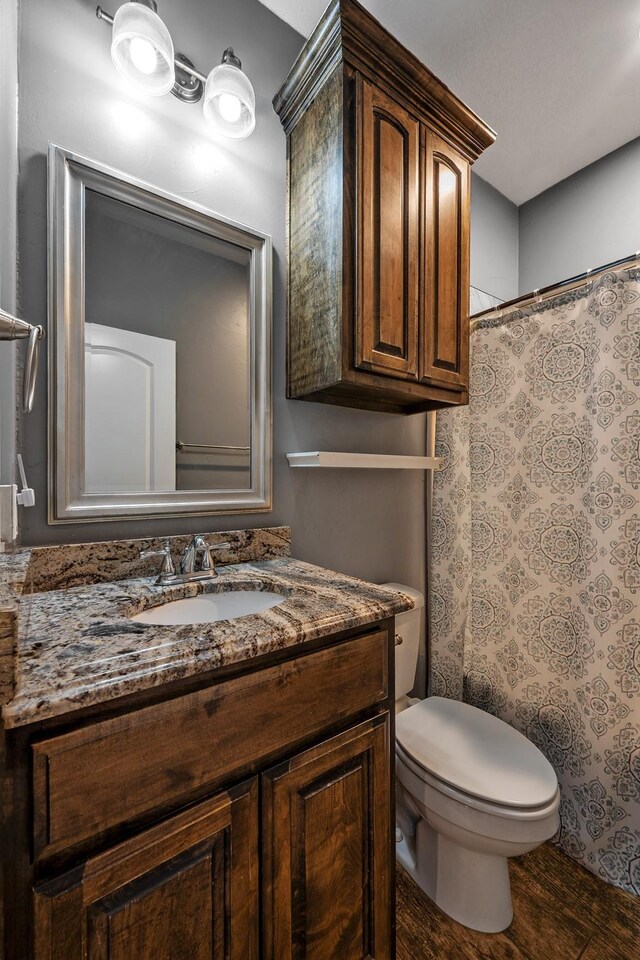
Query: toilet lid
{"points": [[475, 753]]}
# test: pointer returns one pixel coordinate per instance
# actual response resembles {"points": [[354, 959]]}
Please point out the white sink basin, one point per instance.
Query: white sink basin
{"points": [[209, 607]]}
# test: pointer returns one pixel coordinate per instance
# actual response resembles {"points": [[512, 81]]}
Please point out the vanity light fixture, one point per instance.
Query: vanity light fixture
{"points": [[142, 51], [142, 48], [229, 100]]}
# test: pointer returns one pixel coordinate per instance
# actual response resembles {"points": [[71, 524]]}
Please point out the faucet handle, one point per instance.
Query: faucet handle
{"points": [[168, 567], [206, 549], [197, 558], [207, 562]]}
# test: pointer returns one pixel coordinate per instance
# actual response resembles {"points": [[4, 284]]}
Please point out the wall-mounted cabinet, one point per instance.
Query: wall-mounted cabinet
{"points": [[379, 155]]}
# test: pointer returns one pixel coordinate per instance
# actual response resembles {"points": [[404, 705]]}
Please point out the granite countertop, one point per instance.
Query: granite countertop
{"points": [[13, 572], [77, 647]]}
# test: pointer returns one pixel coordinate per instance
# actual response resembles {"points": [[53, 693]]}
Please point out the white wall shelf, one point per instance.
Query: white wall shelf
{"points": [[370, 461]]}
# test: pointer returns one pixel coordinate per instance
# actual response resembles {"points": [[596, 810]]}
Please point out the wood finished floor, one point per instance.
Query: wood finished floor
{"points": [[561, 912]]}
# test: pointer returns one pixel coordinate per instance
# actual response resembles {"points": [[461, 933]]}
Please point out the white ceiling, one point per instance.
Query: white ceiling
{"points": [[559, 80]]}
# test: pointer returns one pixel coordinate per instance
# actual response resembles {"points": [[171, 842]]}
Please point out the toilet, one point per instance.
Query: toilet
{"points": [[471, 792]]}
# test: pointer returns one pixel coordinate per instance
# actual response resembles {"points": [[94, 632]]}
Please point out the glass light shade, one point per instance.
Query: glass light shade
{"points": [[142, 49], [229, 102]]}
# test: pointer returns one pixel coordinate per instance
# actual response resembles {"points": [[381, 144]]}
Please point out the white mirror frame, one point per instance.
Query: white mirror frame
{"points": [[69, 176]]}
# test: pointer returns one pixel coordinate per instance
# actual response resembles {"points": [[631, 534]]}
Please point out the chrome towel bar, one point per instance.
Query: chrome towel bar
{"points": [[204, 447]]}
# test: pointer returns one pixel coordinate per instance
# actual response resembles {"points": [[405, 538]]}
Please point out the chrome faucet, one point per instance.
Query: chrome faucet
{"points": [[196, 562], [196, 556]]}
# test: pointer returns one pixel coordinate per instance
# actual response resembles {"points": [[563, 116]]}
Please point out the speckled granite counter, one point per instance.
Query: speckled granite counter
{"points": [[25, 571], [13, 572], [13, 568], [78, 646]]}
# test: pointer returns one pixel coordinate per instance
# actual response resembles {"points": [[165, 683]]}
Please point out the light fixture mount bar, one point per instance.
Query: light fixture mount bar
{"points": [[103, 15], [190, 82], [185, 64]]}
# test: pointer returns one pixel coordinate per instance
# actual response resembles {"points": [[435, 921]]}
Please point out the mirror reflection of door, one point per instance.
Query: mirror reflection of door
{"points": [[130, 411], [158, 285]]}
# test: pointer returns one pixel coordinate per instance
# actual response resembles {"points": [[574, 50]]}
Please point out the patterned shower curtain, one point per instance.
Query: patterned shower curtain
{"points": [[535, 573]]}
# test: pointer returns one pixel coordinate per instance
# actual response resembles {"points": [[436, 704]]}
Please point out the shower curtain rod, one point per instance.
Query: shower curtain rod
{"points": [[540, 294]]}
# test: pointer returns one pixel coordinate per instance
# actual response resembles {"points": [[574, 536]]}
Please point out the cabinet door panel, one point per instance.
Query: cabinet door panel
{"points": [[186, 889], [388, 203], [446, 294], [177, 915], [326, 850]]}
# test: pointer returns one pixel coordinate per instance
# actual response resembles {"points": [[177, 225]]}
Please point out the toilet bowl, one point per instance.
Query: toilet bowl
{"points": [[471, 792]]}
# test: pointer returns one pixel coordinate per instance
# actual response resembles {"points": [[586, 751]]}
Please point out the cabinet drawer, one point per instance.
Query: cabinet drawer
{"points": [[112, 772]]}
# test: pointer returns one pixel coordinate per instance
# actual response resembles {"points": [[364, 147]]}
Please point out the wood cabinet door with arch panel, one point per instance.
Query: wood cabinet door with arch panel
{"points": [[388, 233], [445, 300]]}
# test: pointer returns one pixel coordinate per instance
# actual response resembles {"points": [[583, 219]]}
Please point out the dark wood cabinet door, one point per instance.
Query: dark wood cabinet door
{"points": [[186, 889], [445, 326], [327, 862], [388, 235]]}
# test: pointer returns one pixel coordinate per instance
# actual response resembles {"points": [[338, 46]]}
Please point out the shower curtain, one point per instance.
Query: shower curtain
{"points": [[535, 573]]}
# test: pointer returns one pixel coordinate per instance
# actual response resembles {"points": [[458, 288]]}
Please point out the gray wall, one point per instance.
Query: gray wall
{"points": [[587, 220], [8, 251], [494, 241], [369, 523]]}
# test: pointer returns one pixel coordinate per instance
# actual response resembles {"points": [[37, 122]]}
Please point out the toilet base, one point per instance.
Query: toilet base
{"points": [[471, 887]]}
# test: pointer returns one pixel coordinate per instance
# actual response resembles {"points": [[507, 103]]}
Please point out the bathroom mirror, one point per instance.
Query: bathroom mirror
{"points": [[160, 357]]}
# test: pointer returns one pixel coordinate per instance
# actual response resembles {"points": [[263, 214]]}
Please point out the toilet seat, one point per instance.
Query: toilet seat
{"points": [[433, 787], [473, 756]]}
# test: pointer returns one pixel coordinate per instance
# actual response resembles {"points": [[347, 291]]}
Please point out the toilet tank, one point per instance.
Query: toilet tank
{"points": [[409, 628]]}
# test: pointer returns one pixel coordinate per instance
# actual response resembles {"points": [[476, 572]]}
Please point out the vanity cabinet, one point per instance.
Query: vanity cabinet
{"points": [[240, 815], [379, 160]]}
